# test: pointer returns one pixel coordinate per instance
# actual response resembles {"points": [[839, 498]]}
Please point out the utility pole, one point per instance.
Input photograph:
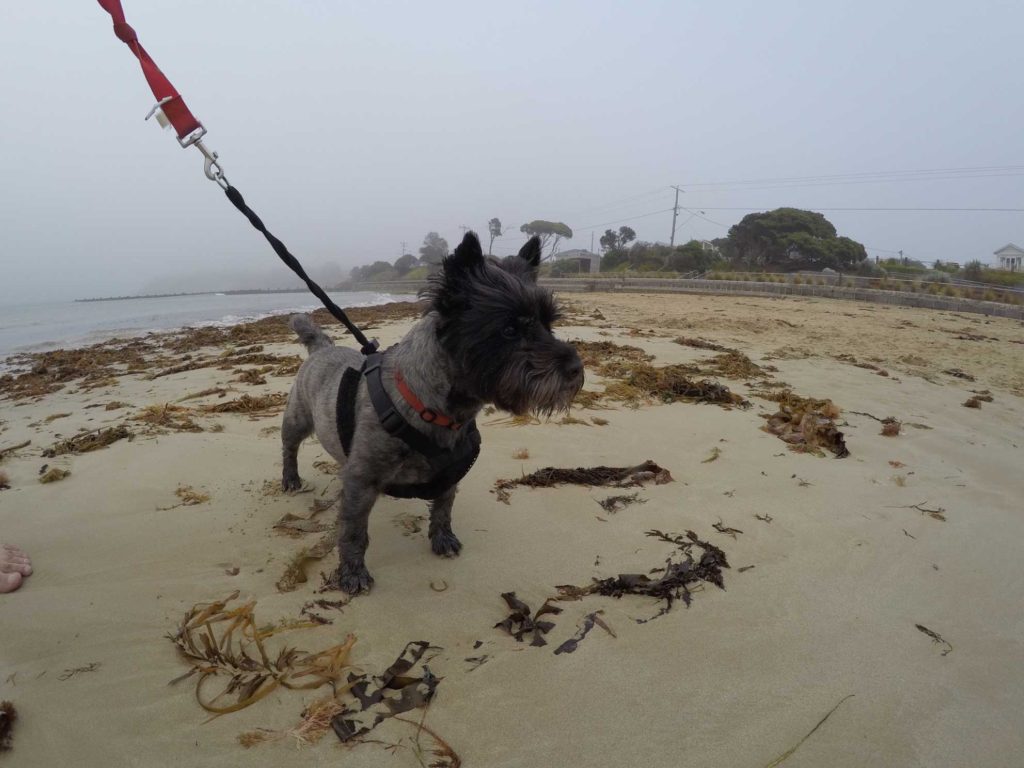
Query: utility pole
{"points": [[675, 215], [403, 248]]}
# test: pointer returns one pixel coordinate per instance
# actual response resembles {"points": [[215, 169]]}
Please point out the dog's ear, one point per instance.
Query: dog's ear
{"points": [[530, 253], [468, 256], [528, 261]]}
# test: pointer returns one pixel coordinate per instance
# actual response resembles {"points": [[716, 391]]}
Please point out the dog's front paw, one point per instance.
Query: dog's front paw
{"points": [[291, 483], [353, 579], [445, 543]]}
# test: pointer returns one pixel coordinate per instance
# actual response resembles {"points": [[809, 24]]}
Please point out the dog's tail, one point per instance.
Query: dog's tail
{"points": [[309, 333]]}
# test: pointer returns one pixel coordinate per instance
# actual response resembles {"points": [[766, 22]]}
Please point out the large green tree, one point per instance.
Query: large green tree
{"points": [[791, 239], [550, 232]]}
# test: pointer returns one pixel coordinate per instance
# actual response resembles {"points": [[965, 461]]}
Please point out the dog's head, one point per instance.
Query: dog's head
{"points": [[495, 326]]}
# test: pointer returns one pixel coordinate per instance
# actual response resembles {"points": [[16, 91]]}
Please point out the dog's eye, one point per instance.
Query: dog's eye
{"points": [[510, 332]]}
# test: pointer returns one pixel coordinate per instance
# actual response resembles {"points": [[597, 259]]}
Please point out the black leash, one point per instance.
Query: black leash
{"points": [[368, 347]]}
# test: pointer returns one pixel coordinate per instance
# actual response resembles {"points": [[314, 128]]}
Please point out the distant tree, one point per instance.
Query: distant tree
{"points": [[434, 248], [404, 263], [691, 257], [611, 239], [550, 233], [973, 270], [494, 228], [791, 239]]}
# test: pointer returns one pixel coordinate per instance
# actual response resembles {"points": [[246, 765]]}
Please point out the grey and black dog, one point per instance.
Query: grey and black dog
{"points": [[485, 338]]}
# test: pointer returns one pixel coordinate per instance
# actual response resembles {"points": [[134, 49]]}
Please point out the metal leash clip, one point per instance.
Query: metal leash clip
{"points": [[211, 167]]}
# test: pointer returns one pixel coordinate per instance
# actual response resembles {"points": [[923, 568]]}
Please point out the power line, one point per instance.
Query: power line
{"points": [[874, 175], [879, 209]]}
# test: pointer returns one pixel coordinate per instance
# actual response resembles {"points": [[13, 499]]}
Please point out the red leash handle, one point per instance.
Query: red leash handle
{"points": [[168, 99]]}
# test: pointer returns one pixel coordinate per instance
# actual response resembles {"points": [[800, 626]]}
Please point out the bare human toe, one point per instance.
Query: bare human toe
{"points": [[14, 561], [9, 582]]}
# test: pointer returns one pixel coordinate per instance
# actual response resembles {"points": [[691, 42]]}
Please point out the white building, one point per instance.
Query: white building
{"points": [[1010, 257], [587, 261]]}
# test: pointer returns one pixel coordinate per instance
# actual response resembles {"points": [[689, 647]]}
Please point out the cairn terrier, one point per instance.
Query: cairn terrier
{"points": [[485, 338]]}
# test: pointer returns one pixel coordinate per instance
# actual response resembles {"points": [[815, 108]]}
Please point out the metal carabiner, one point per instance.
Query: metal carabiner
{"points": [[211, 166]]}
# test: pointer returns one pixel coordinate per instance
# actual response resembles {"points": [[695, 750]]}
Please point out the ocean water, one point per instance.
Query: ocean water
{"points": [[42, 327]]}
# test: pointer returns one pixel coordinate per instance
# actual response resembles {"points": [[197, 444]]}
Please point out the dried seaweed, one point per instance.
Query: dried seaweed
{"points": [[733, 364], [89, 441], [293, 525], [5, 481], [8, 716], [805, 424], [53, 475], [715, 453], [935, 514], [721, 527], [13, 448], [189, 496], [166, 416], [669, 384], [67, 674], [219, 642], [618, 477], [295, 572], [701, 344], [891, 427], [614, 504], [598, 354], [521, 454], [958, 374], [789, 752], [248, 404], [936, 638], [251, 376], [389, 694], [680, 571], [589, 621], [522, 622], [973, 402]]}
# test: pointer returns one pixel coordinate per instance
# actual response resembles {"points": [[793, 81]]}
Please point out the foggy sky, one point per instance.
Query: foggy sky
{"points": [[351, 127]]}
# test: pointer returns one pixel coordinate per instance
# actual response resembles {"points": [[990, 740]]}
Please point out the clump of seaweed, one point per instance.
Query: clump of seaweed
{"points": [[5, 481], [597, 354], [89, 441], [806, 424], [8, 715], [680, 572], [167, 416], [521, 453], [701, 344], [92, 366], [973, 402], [614, 504], [667, 384], [251, 376], [248, 404], [618, 477], [225, 643], [53, 475], [733, 364], [522, 621], [891, 427], [295, 571]]}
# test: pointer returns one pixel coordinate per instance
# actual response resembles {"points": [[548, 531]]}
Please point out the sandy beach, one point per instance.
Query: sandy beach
{"points": [[833, 561]]}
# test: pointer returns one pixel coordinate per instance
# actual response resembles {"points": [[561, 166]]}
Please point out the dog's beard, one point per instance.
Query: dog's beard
{"points": [[542, 391]]}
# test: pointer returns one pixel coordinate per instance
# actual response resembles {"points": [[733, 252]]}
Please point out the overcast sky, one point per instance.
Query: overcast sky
{"points": [[351, 127]]}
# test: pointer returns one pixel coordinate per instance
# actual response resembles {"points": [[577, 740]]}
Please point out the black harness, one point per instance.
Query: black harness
{"points": [[449, 465]]}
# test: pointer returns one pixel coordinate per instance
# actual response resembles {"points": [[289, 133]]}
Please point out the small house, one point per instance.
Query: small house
{"points": [[1010, 257]]}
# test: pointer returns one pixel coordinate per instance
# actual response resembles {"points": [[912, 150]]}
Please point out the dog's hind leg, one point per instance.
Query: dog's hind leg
{"points": [[296, 427], [443, 540]]}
